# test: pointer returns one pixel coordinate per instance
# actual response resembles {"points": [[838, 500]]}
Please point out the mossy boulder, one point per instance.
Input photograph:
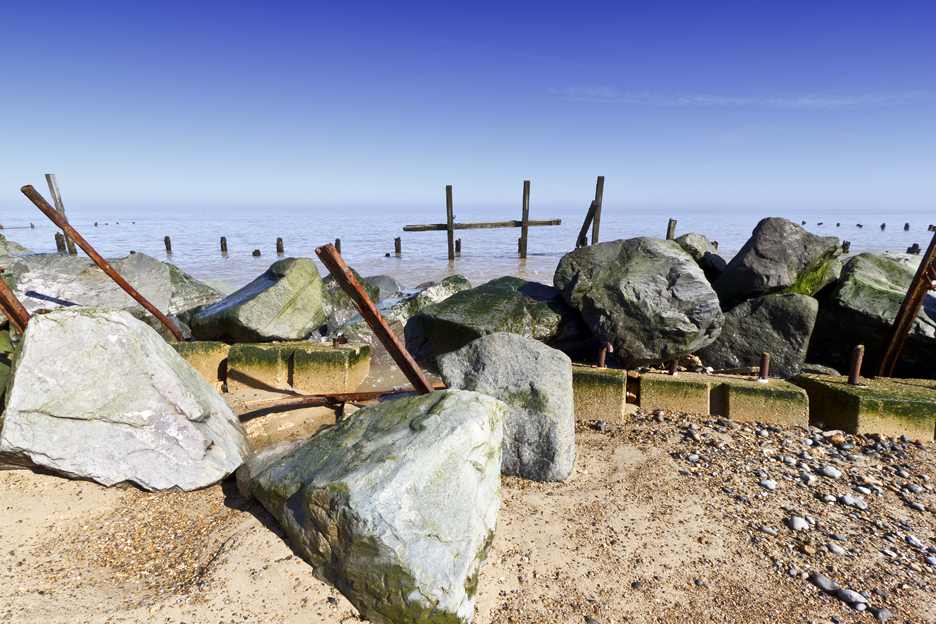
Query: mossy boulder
{"points": [[861, 309], [397, 506], [399, 312], [187, 292], [343, 308], [535, 381], [288, 302], [704, 253], [506, 304], [645, 296], [9, 248], [780, 257], [778, 324]]}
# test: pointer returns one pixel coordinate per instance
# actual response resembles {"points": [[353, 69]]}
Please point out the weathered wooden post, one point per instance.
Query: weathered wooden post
{"points": [[398, 246], [846, 245], [599, 192], [279, 245], [449, 221], [882, 226], [60, 242], [224, 244], [671, 229], [715, 245], [525, 219], [457, 246], [60, 208], [256, 253], [906, 227], [338, 245], [168, 245]]}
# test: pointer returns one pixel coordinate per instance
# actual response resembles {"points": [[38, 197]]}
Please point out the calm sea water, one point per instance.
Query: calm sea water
{"points": [[367, 235]]}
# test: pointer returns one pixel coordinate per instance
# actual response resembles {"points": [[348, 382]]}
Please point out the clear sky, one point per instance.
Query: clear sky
{"points": [[748, 104]]}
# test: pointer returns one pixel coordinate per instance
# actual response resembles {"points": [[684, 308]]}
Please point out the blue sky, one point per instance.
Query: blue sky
{"points": [[742, 104]]}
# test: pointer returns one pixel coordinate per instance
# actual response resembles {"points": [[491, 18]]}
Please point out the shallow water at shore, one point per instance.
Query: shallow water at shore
{"points": [[367, 236]]}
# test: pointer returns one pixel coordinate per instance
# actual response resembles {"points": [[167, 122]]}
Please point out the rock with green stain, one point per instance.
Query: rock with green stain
{"points": [[778, 324], [861, 309], [96, 394], [288, 302], [399, 312], [704, 253], [9, 248], [780, 257], [645, 296], [188, 292], [342, 307], [396, 506], [6, 355], [535, 381], [506, 304]]}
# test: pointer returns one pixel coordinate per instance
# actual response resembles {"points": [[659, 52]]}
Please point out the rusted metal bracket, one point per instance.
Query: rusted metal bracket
{"points": [[60, 221], [12, 307], [342, 274], [920, 286]]}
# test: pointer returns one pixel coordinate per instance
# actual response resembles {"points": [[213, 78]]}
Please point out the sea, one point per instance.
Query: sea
{"points": [[367, 236]]}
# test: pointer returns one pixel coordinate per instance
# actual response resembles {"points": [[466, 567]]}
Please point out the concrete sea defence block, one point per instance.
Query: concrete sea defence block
{"points": [[892, 407], [207, 357], [600, 393], [737, 398], [310, 367]]}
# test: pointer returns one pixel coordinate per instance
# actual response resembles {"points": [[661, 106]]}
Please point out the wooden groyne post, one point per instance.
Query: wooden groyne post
{"points": [[60, 208], [592, 217]]}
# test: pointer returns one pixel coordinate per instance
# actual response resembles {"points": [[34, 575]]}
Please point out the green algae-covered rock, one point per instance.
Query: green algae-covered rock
{"points": [[704, 253], [96, 394], [396, 507], [288, 302], [506, 304], [535, 381], [645, 296], [398, 311], [861, 309], [6, 355], [778, 324], [780, 257], [9, 248], [188, 292], [342, 307]]}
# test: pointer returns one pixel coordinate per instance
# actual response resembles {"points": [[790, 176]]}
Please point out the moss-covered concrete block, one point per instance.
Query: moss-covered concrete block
{"points": [[892, 407], [744, 399], [304, 366], [685, 392], [326, 369], [600, 393], [207, 357]]}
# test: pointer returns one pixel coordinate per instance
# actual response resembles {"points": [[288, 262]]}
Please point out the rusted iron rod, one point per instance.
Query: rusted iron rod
{"points": [[12, 308], [854, 373], [315, 399], [920, 286], [49, 211], [764, 366], [432, 227], [342, 274]]}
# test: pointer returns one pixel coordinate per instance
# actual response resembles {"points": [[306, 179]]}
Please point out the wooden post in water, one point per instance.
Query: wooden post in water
{"points": [[457, 246], [60, 208], [906, 227], [168, 245], [671, 230], [398, 246], [60, 242], [599, 192], [449, 221], [882, 226], [224, 244], [525, 219], [338, 245], [279, 245]]}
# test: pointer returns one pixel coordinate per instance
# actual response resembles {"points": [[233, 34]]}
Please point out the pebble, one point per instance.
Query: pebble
{"points": [[693, 458], [917, 506], [881, 615], [823, 582], [931, 561], [808, 478], [863, 490], [770, 484], [768, 531], [835, 549], [853, 501], [830, 471], [849, 596], [913, 488], [838, 538], [913, 541], [798, 524], [636, 585]]}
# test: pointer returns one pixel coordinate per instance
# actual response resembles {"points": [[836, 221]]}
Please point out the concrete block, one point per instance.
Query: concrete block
{"points": [[600, 393], [737, 398], [207, 357], [892, 407], [308, 367]]}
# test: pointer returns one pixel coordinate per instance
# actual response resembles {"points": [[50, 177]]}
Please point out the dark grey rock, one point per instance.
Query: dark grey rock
{"points": [[780, 257], [645, 296], [506, 304], [704, 254], [288, 302], [850, 596], [778, 324], [823, 582], [343, 309], [396, 507], [261, 460], [535, 381], [386, 284], [124, 406], [862, 307]]}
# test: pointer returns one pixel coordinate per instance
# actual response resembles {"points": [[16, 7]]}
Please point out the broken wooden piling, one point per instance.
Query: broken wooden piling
{"points": [[60, 208]]}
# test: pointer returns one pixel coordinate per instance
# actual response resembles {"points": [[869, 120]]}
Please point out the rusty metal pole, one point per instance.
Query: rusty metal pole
{"points": [[606, 348], [764, 367], [49, 211], [12, 308], [342, 274], [673, 366], [854, 373]]}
